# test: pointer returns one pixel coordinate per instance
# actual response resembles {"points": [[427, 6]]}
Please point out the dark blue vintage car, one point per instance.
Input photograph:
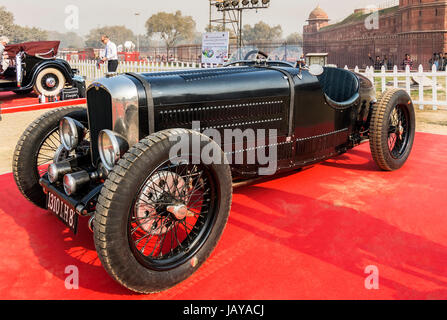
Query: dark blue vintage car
{"points": [[156, 210]]}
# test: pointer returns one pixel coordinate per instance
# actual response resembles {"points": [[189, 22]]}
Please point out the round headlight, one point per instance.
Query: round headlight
{"points": [[112, 147], [71, 133]]}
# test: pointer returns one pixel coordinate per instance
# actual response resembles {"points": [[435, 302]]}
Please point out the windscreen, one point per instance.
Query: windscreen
{"points": [[246, 53], [287, 53]]}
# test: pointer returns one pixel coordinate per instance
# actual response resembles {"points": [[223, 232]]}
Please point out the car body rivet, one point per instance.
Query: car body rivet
{"points": [[194, 262]]}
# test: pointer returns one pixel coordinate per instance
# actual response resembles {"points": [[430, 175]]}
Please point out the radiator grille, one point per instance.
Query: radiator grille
{"points": [[99, 103]]}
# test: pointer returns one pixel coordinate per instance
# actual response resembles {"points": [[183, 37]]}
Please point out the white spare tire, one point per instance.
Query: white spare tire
{"points": [[50, 82]]}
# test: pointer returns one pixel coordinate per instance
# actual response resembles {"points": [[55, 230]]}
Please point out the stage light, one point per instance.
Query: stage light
{"points": [[235, 3], [245, 2], [226, 3], [265, 2]]}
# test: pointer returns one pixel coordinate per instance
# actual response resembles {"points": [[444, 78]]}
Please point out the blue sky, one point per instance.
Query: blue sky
{"points": [[49, 14]]}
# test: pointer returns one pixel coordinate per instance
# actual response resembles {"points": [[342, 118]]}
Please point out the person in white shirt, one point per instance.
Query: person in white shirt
{"points": [[111, 54], [3, 63]]}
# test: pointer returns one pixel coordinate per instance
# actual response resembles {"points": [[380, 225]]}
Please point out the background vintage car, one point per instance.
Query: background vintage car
{"points": [[34, 66]]}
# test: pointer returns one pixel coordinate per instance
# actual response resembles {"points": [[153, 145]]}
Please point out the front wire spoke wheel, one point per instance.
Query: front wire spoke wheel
{"points": [[170, 213], [38, 147], [159, 218], [50, 151]]}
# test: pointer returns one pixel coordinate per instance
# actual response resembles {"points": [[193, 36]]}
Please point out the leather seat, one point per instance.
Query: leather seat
{"points": [[340, 86]]}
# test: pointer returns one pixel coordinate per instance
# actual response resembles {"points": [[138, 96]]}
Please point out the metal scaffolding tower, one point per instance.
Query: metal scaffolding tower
{"points": [[226, 15]]}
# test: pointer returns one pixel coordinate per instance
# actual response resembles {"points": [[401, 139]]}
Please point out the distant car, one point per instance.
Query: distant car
{"points": [[34, 66], [156, 218]]}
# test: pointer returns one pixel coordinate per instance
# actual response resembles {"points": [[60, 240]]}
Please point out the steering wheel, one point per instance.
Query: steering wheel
{"points": [[255, 52]]}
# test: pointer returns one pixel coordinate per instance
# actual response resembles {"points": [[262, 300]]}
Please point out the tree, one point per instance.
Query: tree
{"points": [[16, 33], [6, 22], [23, 34], [295, 38], [171, 28], [68, 40], [261, 32], [118, 34]]}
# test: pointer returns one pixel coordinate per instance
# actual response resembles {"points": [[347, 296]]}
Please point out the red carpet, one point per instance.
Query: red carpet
{"points": [[10, 99], [13, 103], [309, 235]]}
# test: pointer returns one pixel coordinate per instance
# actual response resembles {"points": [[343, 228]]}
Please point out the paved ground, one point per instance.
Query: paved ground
{"points": [[430, 121], [11, 128]]}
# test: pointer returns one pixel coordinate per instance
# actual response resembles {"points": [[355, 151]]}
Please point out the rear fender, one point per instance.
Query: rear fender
{"points": [[61, 65]]}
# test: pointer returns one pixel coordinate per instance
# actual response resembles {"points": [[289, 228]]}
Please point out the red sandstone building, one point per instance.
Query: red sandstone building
{"points": [[417, 27]]}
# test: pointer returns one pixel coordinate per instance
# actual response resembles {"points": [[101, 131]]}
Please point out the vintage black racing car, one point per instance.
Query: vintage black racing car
{"points": [[34, 66], [157, 210]]}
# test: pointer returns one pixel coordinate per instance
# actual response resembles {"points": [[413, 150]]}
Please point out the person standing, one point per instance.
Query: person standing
{"points": [[370, 60], [407, 62], [385, 62], [432, 61], [378, 64], [3, 43], [441, 62], [111, 54], [436, 61]]}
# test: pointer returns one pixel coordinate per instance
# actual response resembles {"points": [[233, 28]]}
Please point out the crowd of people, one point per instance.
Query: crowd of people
{"points": [[379, 62], [439, 60]]}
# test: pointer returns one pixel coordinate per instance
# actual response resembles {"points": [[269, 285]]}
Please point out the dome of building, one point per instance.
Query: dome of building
{"points": [[318, 14]]}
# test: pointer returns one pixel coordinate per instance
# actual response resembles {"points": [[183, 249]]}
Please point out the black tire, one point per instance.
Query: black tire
{"points": [[40, 87], [113, 239], [25, 159], [392, 129]]}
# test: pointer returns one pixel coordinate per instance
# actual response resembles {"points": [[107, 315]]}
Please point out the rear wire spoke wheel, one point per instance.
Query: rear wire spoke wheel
{"points": [[158, 219], [38, 147], [392, 130], [398, 131]]}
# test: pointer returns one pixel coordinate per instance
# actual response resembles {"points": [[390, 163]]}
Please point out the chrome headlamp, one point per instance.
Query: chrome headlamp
{"points": [[112, 146], [71, 133]]}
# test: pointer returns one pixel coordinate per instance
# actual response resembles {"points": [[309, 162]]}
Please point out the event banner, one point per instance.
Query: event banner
{"points": [[215, 47]]}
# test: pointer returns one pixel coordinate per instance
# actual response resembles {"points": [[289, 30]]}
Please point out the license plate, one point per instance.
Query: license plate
{"points": [[63, 210]]}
